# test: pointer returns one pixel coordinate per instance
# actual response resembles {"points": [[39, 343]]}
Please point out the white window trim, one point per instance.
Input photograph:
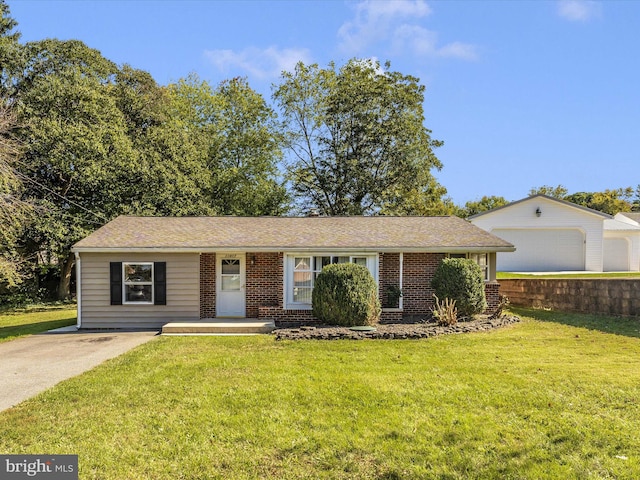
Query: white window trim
{"points": [[125, 284], [289, 265]]}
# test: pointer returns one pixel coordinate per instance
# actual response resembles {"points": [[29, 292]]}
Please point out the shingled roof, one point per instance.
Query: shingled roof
{"points": [[380, 234]]}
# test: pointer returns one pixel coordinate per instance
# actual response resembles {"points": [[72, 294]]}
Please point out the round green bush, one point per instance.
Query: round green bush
{"points": [[346, 294], [461, 279]]}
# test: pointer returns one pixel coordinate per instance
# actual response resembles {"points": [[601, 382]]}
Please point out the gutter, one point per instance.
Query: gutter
{"points": [[437, 249], [78, 289]]}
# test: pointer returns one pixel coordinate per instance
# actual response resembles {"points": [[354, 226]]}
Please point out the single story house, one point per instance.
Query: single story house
{"points": [[555, 235], [143, 272]]}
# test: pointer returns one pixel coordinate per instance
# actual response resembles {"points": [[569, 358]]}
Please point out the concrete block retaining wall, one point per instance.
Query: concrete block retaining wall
{"points": [[608, 296]]}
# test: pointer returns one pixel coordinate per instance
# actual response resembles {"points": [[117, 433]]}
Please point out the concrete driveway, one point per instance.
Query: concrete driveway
{"points": [[35, 363]]}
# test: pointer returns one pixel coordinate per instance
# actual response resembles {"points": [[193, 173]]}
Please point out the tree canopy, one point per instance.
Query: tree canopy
{"points": [[609, 201], [357, 138]]}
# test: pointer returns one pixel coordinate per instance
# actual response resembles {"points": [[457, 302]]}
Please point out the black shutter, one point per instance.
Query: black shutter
{"points": [[160, 283], [116, 283]]}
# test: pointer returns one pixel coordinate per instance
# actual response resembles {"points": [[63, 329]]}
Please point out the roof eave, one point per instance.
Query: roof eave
{"points": [[438, 249]]}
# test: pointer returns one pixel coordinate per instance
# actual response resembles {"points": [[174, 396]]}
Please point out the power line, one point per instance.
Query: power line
{"points": [[44, 187]]}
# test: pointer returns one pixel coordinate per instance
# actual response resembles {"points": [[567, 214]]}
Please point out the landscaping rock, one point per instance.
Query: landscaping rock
{"points": [[419, 329]]}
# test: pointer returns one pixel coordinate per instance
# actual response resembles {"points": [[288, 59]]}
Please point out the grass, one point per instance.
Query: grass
{"points": [[36, 319], [508, 275], [541, 399]]}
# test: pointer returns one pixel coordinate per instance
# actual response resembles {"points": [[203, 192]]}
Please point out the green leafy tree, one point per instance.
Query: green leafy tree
{"points": [[636, 200], [609, 201], [485, 204], [14, 212], [238, 135], [171, 174], [357, 139], [11, 54], [78, 159], [556, 192]]}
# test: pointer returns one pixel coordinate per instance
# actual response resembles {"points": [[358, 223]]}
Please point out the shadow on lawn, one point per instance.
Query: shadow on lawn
{"points": [[19, 330], [627, 326]]}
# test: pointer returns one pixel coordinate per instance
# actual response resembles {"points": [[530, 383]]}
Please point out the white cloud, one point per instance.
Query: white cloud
{"points": [[423, 42], [396, 23], [259, 63], [374, 20], [579, 10]]}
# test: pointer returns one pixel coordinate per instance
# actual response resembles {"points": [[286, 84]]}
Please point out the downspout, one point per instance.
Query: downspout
{"points": [[400, 303], [79, 289]]}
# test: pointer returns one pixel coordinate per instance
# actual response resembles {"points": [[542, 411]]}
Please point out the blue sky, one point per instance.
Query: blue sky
{"points": [[523, 93]]}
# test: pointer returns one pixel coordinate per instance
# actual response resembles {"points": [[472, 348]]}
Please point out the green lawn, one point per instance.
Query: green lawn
{"points": [[546, 398], [27, 321], [507, 275]]}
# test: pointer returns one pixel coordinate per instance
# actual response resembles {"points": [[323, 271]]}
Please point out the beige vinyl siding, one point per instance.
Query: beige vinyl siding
{"points": [[183, 291]]}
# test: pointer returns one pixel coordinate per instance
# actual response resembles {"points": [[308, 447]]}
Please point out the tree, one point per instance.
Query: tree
{"points": [[357, 138], [485, 204], [609, 201], [555, 192], [78, 160], [14, 213], [173, 178], [242, 144], [10, 50]]}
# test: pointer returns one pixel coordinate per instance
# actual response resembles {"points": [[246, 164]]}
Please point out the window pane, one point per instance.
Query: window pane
{"points": [[302, 295], [137, 272], [302, 280], [360, 261], [138, 293], [302, 263], [231, 266], [321, 262], [230, 283], [340, 260]]}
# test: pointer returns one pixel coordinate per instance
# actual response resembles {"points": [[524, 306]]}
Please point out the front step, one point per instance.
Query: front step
{"points": [[219, 327]]}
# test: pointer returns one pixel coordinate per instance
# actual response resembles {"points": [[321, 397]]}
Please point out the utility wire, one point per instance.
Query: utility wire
{"points": [[23, 176]]}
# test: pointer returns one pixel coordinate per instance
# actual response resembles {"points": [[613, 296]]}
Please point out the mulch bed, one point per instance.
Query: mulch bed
{"points": [[393, 330]]}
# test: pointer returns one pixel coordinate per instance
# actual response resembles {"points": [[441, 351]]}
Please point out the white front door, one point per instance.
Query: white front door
{"points": [[230, 285]]}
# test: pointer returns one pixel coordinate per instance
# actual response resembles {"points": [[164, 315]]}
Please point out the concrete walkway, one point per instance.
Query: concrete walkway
{"points": [[35, 363]]}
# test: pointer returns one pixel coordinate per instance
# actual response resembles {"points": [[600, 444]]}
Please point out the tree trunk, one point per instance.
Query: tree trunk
{"points": [[66, 268]]}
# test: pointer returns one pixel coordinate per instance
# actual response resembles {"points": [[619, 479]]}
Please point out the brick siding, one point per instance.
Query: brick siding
{"points": [[264, 287], [418, 270], [492, 293], [207, 285], [264, 282], [388, 276]]}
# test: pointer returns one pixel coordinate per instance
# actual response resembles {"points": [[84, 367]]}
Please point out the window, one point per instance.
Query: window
{"points": [[141, 283], [138, 282], [230, 275], [482, 259], [302, 271]]}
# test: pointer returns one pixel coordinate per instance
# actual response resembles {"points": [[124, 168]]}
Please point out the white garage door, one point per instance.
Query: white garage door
{"points": [[542, 250], [616, 255]]}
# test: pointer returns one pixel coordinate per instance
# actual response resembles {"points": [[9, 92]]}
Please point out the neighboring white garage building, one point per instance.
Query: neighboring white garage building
{"points": [[554, 235]]}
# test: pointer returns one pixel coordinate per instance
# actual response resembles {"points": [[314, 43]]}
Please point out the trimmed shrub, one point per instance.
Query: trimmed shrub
{"points": [[346, 294], [461, 279]]}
